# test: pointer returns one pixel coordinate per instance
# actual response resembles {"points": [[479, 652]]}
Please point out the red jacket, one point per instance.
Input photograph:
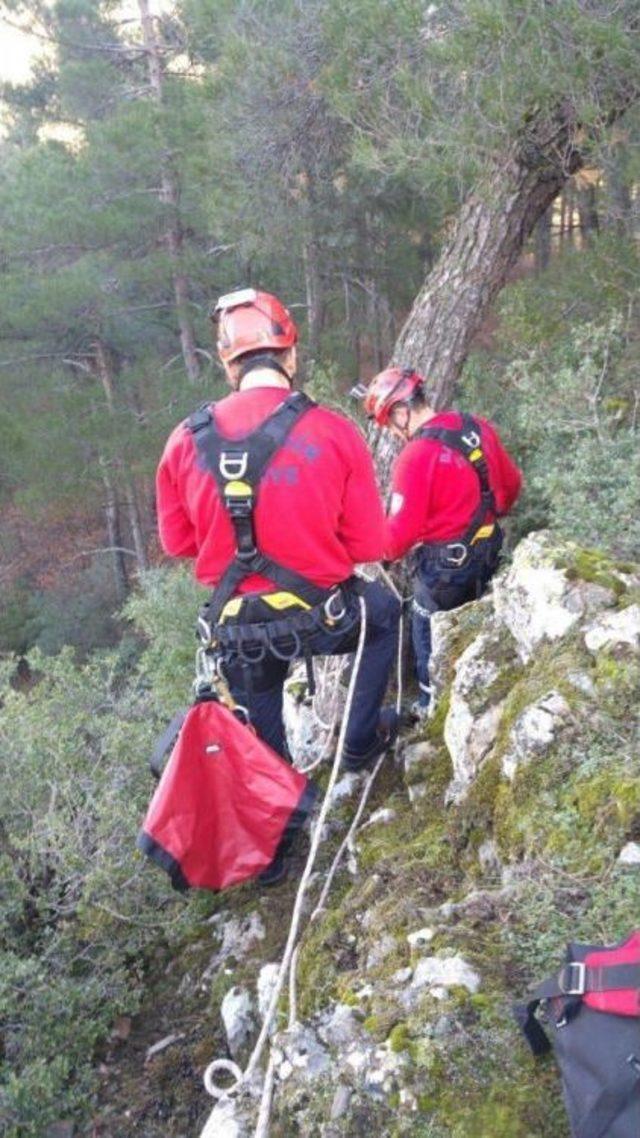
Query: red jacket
{"points": [[436, 490], [318, 510]]}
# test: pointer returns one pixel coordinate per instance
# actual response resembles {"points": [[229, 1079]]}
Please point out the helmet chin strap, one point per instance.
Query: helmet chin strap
{"points": [[262, 360]]}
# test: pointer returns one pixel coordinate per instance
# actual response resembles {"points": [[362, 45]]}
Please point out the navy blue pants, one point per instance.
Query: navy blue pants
{"points": [[439, 588], [258, 687]]}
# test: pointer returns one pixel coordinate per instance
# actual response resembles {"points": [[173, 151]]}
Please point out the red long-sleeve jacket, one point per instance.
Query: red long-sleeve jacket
{"points": [[318, 511], [435, 490]]}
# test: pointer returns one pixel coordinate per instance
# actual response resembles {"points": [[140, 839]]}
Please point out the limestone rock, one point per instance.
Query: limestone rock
{"points": [[384, 1070], [421, 938], [535, 598], [630, 854], [340, 1103], [416, 792], [301, 1048], [225, 1122], [445, 972], [265, 987], [381, 950], [417, 756], [468, 739], [612, 629], [339, 1026], [237, 1011], [489, 857], [534, 731], [402, 976], [446, 630], [345, 787], [239, 935]]}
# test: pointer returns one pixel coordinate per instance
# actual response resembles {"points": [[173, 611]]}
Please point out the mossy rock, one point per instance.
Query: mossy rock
{"points": [[595, 567]]}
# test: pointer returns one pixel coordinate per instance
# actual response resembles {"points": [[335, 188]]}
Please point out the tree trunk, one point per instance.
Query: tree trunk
{"points": [[104, 365], [488, 238], [114, 533], [135, 523], [311, 264], [170, 196], [618, 202], [542, 246], [588, 213]]}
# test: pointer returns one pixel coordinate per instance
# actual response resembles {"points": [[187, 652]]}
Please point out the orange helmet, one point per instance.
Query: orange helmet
{"points": [[249, 320], [391, 386]]}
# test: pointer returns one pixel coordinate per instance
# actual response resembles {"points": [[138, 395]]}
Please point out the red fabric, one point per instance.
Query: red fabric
{"points": [[435, 490], [318, 512], [222, 804], [626, 1002]]}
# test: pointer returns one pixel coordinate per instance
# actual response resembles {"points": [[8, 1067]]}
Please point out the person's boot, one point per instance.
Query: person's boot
{"points": [[386, 735]]}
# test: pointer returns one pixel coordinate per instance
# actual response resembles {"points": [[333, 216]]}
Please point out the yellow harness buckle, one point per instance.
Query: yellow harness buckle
{"points": [[238, 490]]}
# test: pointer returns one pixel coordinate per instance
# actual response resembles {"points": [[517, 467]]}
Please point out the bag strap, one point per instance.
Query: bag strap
{"points": [[571, 983], [467, 441], [238, 466]]}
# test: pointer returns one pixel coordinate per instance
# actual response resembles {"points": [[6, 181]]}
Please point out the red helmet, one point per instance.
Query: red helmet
{"points": [[391, 386], [249, 320]]}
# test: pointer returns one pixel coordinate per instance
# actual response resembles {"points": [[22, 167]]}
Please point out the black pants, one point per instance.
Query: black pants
{"points": [[439, 588]]}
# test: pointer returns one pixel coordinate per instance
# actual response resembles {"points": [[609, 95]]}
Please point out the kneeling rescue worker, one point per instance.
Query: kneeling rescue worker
{"points": [[276, 499], [450, 483]]}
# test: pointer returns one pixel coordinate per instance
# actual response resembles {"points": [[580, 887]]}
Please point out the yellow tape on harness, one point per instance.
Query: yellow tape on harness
{"points": [[278, 601], [484, 531]]}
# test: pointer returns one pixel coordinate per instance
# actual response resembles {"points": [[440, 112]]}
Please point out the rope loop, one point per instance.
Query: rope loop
{"points": [[214, 1089]]}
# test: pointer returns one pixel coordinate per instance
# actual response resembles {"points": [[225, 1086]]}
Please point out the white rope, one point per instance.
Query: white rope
{"points": [[289, 962], [264, 1117], [345, 843], [315, 844], [285, 963]]}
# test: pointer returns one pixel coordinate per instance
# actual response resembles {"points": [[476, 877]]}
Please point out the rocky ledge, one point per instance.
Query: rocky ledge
{"points": [[509, 824]]}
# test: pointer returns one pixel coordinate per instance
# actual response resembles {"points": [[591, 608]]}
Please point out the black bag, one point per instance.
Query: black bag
{"points": [[592, 1012]]}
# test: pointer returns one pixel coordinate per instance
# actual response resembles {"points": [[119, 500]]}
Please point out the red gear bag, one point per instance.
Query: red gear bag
{"points": [[224, 804]]}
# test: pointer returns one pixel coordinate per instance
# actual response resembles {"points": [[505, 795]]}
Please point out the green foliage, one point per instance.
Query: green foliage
{"points": [[570, 406], [80, 909], [165, 609]]}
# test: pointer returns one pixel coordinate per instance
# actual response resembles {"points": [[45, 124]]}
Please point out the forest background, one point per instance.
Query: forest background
{"points": [[323, 151]]}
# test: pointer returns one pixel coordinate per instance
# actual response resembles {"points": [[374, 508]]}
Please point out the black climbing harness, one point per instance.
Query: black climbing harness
{"points": [[238, 466], [467, 441]]}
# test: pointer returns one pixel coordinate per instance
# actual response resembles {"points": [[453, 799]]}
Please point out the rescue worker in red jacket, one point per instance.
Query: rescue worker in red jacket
{"points": [[276, 499], [450, 483]]}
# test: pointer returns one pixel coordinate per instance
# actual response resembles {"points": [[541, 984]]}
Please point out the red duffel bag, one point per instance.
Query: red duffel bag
{"points": [[224, 804]]}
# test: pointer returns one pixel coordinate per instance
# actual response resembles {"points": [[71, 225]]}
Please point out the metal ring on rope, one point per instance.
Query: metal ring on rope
{"points": [[214, 1089]]}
